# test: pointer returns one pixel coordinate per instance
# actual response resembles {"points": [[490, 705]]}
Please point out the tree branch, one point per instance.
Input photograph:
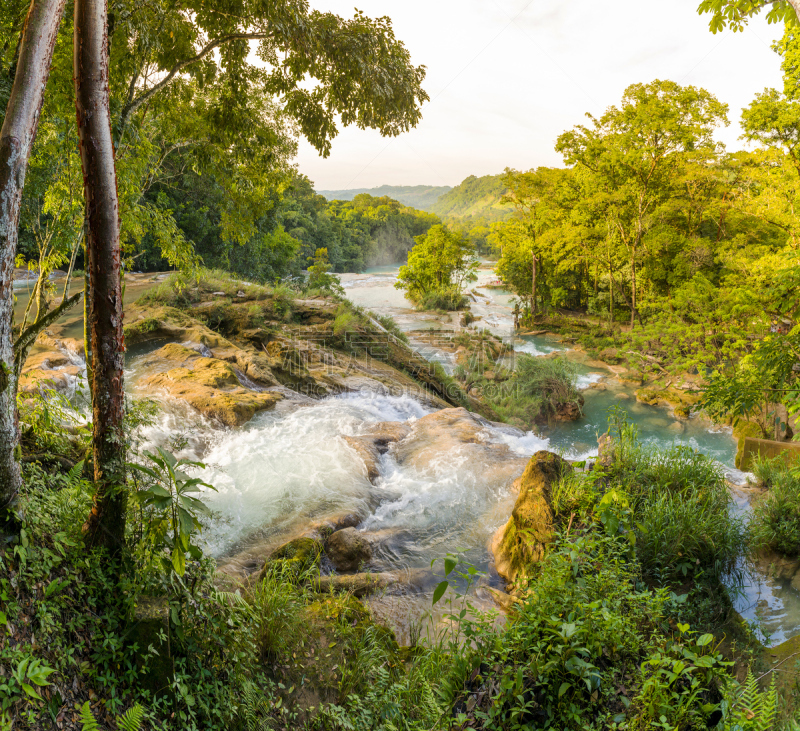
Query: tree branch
{"points": [[27, 337], [133, 105]]}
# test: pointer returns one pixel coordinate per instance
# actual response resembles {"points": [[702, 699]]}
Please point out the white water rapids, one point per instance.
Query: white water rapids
{"points": [[282, 472]]}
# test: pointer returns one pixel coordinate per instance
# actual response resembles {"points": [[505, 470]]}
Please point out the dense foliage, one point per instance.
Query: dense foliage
{"points": [[207, 105], [440, 266], [366, 231]]}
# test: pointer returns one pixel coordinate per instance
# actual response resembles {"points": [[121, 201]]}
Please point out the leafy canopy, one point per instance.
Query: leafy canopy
{"points": [[735, 14], [440, 262]]}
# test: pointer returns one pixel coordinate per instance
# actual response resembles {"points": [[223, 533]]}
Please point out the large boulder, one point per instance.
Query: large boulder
{"points": [[450, 433], [348, 549], [521, 541], [295, 556]]}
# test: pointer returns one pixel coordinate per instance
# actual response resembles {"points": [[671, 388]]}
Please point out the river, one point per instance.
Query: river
{"points": [[290, 467]]}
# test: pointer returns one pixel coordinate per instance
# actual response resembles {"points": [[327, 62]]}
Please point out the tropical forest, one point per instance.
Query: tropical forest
{"points": [[339, 394]]}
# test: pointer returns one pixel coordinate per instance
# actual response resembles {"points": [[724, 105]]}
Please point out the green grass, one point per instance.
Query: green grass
{"points": [[775, 524], [534, 392], [681, 505]]}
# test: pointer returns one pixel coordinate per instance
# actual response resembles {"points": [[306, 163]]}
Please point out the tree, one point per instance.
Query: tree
{"points": [[532, 194], [631, 153], [16, 140], [106, 524], [735, 14], [439, 267]]}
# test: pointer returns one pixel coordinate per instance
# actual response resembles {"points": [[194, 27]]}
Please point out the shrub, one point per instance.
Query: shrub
{"points": [[775, 523], [442, 299], [681, 506], [588, 648], [538, 389]]}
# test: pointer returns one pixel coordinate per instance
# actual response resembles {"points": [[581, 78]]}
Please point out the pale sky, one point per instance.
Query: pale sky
{"points": [[506, 77]]}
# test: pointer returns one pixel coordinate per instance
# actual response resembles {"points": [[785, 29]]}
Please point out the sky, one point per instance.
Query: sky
{"points": [[506, 77]]}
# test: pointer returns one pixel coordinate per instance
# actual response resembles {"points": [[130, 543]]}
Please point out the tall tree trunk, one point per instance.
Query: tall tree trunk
{"points": [[533, 286], [633, 286], [106, 524], [16, 140]]}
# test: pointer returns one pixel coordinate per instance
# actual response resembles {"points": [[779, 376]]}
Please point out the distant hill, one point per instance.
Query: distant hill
{"points": [[475, 198], [421, 197]]}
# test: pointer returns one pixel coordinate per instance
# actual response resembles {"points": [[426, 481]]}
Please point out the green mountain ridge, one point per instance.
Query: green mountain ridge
{"points": [[421, 197], [475, 198]]}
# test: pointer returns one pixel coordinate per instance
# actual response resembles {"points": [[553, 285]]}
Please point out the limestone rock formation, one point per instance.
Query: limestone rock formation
{"points": [[209, 385], [522, 540]]}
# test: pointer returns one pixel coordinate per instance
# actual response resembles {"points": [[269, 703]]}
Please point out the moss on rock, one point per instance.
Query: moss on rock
{"points": [[521, 542]]}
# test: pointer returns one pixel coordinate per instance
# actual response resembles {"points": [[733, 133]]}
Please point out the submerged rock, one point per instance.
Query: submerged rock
{"points": [[348, 549], [457, 431], [521, 542]]}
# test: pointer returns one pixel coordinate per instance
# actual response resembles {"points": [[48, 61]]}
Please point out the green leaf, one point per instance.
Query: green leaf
{"points": [[31, 691], [704, 640], [564, 688], [439, 591], [449, 565], [178, 561]]}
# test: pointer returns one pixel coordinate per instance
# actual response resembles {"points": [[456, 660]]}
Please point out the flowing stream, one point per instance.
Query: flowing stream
{"points": [[291, 467]]}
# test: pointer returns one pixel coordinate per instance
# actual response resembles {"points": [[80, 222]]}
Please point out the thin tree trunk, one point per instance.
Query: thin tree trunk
{"points": [[633, 287], [611, 293], [105, 526], [533, 287], [16, 140]]}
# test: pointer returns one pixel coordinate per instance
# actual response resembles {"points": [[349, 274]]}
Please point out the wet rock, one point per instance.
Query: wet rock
{"points": [[569, 412], [375, 442], [521, 542], [332, 523], [505, 601], [296, 556], [605, 451], [208, 385], [779, 567], [459, 432], [348, 549], [49, 366]]}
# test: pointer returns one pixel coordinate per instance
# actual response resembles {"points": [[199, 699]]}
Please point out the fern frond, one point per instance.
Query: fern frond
{"points": [[88, 722], [132, 720], [769, 708], [255, 709]]}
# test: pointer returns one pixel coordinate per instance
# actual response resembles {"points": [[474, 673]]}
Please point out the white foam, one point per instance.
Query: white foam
{"points": [[585, 380]]}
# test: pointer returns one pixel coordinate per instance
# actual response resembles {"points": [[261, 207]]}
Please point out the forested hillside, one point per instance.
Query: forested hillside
{"points": [[422, 197], [474, 199], [359, 233]]}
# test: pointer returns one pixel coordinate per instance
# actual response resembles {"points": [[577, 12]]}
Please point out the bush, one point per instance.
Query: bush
{"points": [[538, 389], [443, 299], [589, 648], [682, 508], [775, 523]]}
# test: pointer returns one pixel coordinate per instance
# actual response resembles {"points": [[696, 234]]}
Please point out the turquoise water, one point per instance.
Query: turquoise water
{"points": [[655, 424]]}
